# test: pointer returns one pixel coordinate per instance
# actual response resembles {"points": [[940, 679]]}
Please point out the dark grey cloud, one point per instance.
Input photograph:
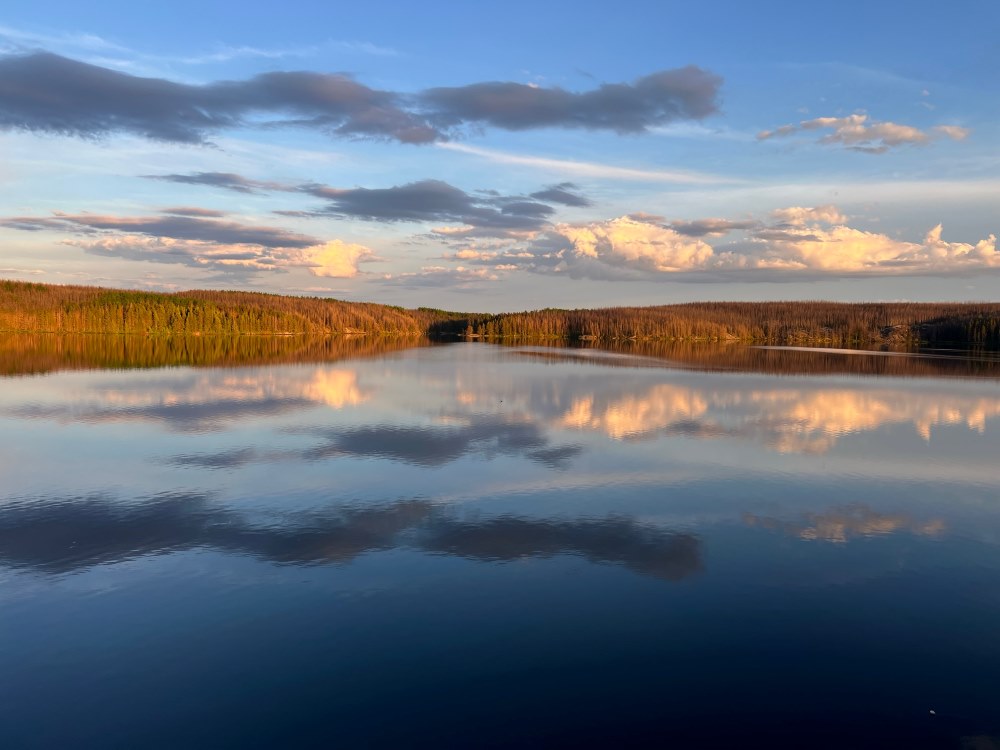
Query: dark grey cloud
{"points": [[204, 213], [44, 92], [225, 180], [656, 99], [488, 212], [564, 193], [63, 535], [179, 227], [432, 201], [710, 227]]}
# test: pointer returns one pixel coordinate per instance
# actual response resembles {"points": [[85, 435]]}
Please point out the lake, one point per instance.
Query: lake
{"points": [[469, 545]]}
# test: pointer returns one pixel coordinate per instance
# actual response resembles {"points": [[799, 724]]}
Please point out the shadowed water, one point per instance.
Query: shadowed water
{"points": [[360, 544]]}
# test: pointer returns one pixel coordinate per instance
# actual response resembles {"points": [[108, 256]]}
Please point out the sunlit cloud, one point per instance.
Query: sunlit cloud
{"points": [[199, 238], [795, 240], [840, 525], [858, 133], [337, 259]]}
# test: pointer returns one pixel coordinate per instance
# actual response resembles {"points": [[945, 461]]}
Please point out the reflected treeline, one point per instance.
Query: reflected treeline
{"points": [[844, 523], [27, 354], [56, 536], [740, 358]]}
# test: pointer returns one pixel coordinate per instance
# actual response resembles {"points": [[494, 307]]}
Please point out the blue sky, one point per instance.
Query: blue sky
{"points": [[504, 155]]}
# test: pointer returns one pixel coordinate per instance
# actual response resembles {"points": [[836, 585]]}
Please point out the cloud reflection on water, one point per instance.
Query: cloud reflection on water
{"points": [[57, 536], [206, 400], [841, 524], [494, 406], [437, 445]]}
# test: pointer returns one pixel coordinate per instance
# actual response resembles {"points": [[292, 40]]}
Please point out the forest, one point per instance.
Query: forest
{"points": [[43, 308]]}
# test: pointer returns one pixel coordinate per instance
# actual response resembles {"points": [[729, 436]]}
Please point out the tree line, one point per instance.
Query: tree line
{"points": [[28, 307], [819, 323]]}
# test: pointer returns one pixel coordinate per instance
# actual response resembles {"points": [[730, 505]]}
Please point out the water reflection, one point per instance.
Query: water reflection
{"points": [[844, 523], [204, 401], [441, 411], [29, 354], [807, 419], [437, 445], [58, 536], [465, 523]]}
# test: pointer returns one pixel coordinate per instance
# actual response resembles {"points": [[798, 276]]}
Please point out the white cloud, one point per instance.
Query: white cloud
{"points": [[858, 133], [588, 169], [841, 248], [799, 215], [955, 132], [799, 240], [336, 259], [628, 242]]}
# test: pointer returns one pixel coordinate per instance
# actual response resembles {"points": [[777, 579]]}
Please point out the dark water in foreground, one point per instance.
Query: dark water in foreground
{"points": [[476, 546]]}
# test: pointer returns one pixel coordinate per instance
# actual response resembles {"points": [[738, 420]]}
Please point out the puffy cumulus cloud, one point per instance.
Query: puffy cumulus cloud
{"points": [[795, 241], [337, 259], [800, 215], [858, 133], [468, 253], [44, 92], [841, 248], [629, 243]]}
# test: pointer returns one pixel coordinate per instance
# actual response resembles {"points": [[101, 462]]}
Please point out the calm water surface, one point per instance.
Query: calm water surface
{"points": [[480, 546]]}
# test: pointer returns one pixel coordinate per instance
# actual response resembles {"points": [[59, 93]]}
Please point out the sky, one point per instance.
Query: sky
{"points": [[504, 156]]}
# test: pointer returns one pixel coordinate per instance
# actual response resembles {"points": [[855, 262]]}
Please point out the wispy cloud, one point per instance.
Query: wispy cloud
{"points": [[587, 169], [14, 39], [857, 133], [199, 239]]}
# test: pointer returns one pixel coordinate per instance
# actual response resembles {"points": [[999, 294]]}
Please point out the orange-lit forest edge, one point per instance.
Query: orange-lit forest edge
{"points": [[38, 308]]}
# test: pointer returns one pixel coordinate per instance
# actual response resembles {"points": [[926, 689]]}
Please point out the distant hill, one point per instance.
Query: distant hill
{"points": [[37, 308]]}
